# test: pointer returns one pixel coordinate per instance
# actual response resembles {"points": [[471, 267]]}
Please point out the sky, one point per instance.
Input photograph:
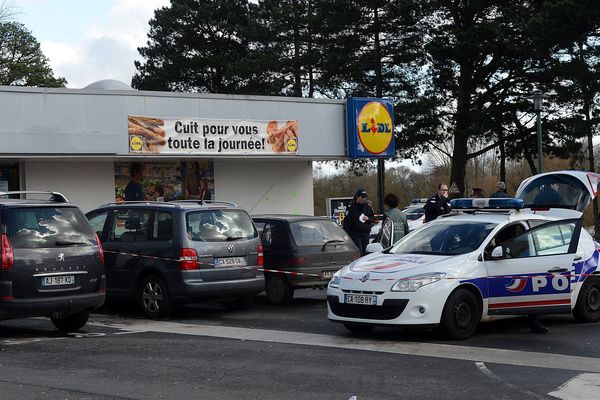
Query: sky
{"points": [[88, 40]]}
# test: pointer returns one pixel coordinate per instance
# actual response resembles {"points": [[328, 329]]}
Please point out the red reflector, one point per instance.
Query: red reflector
{"points": [[7, 298], [296, 261], [8, 257], [188, 259], [100, 249], [261, 256]]}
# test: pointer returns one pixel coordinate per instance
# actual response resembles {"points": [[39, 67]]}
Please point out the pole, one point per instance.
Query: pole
{"points": [[539, 142], [380, 183]]}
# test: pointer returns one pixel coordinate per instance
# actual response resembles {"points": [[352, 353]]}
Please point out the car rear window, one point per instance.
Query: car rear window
{"points": [[316, 232], [219, 225], [43, 227]]}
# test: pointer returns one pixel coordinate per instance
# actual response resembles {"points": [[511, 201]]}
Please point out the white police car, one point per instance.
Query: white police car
{"points": [[490, 257]]}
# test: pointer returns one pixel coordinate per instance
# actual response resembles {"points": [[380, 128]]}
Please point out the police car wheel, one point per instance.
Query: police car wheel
{"points": [[461, 315], [359, 328], [587, 308]]}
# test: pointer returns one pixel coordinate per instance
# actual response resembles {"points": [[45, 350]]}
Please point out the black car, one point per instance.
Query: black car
{"points": [[52, 261], [165, 254], [306, 250]]}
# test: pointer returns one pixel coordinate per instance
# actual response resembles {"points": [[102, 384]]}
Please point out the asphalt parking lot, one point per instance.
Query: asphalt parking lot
{"points": [[290, 352]]}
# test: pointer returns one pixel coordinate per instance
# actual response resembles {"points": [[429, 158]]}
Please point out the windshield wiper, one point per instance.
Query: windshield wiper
{"points": [[68, 243], [232, 238], [331, 241]]}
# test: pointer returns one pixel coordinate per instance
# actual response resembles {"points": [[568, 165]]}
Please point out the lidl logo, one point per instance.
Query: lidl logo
{"points": [[292, 145], [135, 143], [375, 127]]}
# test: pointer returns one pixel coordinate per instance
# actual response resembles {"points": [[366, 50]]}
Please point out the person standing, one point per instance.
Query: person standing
{"points": [[477, 193], [500, 192], [358, 220], [134, 191], [437, 205], [392, 212]]}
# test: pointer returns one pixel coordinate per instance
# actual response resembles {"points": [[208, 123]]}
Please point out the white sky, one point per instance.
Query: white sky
{"points": [[89, 40]]}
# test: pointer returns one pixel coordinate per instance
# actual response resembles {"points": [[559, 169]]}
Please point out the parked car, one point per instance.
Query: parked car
{"points": [[490, 257], [310, 248], [166, 254], [415, 214], [52, 261]]}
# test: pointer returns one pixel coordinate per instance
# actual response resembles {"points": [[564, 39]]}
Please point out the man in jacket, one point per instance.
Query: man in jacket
{"points": [[359, 219], [437, 205]]}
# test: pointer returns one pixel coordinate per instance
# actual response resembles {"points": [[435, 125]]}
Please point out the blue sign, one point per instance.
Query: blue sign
{"points": [[370, 128]]}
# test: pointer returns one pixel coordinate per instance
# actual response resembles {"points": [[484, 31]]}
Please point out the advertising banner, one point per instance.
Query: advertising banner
{"points": [[370, 128], [150, 135]]}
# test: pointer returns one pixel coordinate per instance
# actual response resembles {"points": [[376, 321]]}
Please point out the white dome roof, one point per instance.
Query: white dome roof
{"points": [[108, 84]]}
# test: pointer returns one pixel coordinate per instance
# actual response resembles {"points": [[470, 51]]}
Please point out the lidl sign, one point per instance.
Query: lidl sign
{"points": [[370, 128]]}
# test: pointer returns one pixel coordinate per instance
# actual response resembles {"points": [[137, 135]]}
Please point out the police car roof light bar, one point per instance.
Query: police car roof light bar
{"points": [[487, 204]]}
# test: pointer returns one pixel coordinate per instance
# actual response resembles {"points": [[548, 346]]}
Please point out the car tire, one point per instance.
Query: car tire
{"points": [[72, 322], [278, 290], [239, 304], [359, 328], [154, 298], [587, 308], [461, 315]]}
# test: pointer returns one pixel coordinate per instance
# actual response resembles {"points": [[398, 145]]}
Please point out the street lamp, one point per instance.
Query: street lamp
{"points": [[538, 102]]}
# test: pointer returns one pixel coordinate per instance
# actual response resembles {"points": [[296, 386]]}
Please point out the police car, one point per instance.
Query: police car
{"points": [[489, 257]]}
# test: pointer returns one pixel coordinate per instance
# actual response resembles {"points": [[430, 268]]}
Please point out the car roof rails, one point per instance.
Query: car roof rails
{"points": [[54, 196], [205, 202], [147, 202]]}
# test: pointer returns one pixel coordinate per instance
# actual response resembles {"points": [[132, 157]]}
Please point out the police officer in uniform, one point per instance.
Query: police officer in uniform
{"points": [[437, 205]]}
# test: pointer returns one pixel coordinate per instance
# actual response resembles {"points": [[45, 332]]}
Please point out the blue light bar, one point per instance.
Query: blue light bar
{"points": [[489, 204]]}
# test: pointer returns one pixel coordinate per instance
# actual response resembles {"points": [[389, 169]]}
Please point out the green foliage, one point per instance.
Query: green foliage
{"points": [[22, 62]]}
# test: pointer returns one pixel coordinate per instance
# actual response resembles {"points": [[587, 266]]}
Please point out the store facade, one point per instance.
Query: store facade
{"points": [[254, 151]]}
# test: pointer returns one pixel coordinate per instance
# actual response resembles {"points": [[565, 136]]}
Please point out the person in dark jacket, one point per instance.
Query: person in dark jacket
{"points": [[437, 205], [500, 192], [134, 191], [359, 219]]}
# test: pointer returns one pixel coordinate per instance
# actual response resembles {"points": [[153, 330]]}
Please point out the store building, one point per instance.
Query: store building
{"points": [[255, 151]]}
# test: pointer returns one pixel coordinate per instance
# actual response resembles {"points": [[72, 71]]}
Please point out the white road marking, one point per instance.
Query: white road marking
{"points": [[582, 387], [506, 383], [447, 351]]}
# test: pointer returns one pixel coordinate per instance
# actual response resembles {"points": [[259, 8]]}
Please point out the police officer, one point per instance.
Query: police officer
{"points": [[437, 205], [359, 220]]}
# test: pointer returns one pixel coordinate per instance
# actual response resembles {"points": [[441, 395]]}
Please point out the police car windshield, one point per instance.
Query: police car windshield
{"points": [[445, 238]]}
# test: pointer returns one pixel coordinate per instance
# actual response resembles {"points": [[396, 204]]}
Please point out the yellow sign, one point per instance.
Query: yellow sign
{"points": [[292, 145], [375, 127], [135, 143]]}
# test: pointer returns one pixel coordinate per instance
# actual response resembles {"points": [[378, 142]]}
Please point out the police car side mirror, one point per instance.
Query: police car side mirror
{"points": [[374, 247], [497, 253]]}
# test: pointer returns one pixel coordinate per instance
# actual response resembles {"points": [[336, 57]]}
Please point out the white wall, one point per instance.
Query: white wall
{"points": [[286, 187], [87, 184]]}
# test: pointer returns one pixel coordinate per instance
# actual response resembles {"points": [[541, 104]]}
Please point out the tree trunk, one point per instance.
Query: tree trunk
{"points": [[502, 157]]}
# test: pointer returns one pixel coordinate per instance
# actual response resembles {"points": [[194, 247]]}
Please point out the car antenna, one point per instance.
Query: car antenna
{"points": [[261, 197]]}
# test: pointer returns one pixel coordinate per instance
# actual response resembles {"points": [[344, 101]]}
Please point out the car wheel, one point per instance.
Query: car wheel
{"points": [[71, 322], [359, 328], [587, 308], [154, 297], [239, 304], [461, 315], [279, 291]]}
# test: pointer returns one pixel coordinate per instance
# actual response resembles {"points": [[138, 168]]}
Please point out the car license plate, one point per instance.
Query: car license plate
{"points": [[58, 280], [327, 274], [360, 299], [230, 262]]}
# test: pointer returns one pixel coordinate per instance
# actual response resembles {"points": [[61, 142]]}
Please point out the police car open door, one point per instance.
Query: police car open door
{"points": [[533, 275]]}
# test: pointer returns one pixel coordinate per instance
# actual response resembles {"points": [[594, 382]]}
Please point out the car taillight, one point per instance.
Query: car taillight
{"points": [[261, 256], [8, 257], [188, 259], [100, 249]]}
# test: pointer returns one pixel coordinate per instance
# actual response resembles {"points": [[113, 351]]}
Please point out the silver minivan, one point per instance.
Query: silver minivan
{"points": [[167, 254]]}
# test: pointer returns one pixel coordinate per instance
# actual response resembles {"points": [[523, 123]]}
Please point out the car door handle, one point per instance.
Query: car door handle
{"points": [[578, 257], [557, 270]]}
